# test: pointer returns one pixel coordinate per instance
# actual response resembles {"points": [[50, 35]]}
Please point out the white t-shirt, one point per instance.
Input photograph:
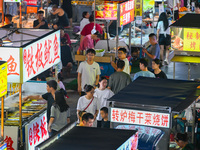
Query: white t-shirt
{"points": [[83, 103], [83, 22], [176, 4], [102, 96], [88, 73], [162, 29], [127, 67]]}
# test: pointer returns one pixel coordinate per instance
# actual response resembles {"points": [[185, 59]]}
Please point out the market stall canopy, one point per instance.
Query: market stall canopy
{"points": [[177, 94], [189, 20], [19, 37], [87, 138]]}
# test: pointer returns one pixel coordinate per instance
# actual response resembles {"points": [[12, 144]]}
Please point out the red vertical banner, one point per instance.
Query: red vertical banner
{"points": [[126, 12]]}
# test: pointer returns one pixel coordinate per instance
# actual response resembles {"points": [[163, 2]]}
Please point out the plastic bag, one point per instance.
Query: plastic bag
{"points": [[188, 113]]}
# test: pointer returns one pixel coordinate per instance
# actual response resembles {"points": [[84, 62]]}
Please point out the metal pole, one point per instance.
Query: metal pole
{"points": [[2, 117], [20, 17], [173, 10], [193, 122], [189, 71], [94, 12], [174, 71], [130, 38], [117, 33], [20, 113], [2, 12]]}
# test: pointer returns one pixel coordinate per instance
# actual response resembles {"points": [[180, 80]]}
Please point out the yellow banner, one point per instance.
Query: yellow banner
{"points": [[191, 39], [138, 7], [3, 79]]}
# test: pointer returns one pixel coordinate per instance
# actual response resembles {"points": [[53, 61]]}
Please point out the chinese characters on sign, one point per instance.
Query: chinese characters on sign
{"points": [[138, 7], [106, 11], [3, 78], [37, 132], [191, 39], [11, 55], [126, 12], [41, 55], [140, 117], [31, 2]]}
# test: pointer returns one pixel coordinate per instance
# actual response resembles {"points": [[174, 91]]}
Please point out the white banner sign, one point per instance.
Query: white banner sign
{"points": [[11, 137], [12, 0], [12, 56], [36, 132], [41, 55], [145, 118]]}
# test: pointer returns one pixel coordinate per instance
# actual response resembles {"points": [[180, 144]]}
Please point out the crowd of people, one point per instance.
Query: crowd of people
{"points": [[96, 90]]}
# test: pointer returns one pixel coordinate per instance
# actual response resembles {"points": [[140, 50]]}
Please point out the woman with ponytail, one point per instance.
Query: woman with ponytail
{"points": [[60, 113]]}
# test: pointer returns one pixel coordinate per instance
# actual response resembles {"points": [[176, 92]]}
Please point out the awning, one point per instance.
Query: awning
{"points": [[177, 94]]}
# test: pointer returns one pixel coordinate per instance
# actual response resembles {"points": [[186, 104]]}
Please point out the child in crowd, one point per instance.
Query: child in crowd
{"points": [[88, 120], [60, 83], [80, 115], [102, 94], [122, 56], [88, 102], [104, 114]]}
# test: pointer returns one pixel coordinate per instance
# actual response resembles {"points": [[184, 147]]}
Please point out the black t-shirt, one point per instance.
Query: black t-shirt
{"points": [[161, 75], [45, 26], [105, 124], [50, 100]]}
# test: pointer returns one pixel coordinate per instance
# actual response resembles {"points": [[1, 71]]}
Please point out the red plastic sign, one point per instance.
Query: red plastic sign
{"points": [[31, 2]]}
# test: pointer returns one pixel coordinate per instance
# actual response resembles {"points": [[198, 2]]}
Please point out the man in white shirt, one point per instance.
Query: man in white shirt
{"points": [[88, 71]]}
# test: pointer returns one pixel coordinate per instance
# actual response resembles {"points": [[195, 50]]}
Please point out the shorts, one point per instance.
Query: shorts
{"points": [[166, 41]]}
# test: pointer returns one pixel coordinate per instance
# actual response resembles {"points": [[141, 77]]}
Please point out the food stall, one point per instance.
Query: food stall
{"points": [[28, 53], [151, 102], [185, 40], [3, 91], [89, 138]]}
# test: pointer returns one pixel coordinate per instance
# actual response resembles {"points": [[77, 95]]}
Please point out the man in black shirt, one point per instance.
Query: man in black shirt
{"points": [[40, 23], [8, 21], [49, 96]]}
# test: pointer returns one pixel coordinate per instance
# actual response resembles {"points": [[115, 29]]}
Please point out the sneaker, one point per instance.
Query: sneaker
{"points": [[166, 62]]}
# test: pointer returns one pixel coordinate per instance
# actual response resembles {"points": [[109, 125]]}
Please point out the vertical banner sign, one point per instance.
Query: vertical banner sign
{"points": [[3, 78], [36, 132], [138, 117], [11, 137], [12, 56], [41, 55], [126, 12], [191, 40], [138, 7]]}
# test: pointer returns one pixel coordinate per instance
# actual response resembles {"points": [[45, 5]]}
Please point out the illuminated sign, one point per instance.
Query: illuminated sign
{"points": [[130, 144], [3, 78], [138, 7], [145, 118], [126, 12], [41, 55], [12, 0], [12, 56], [37, 132], [148, 4], [31, 2], [106, 11], [191, 39]]}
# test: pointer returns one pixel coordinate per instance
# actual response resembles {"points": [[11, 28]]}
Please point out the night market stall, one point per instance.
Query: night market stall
{"points": [[151, 102], [185, 35], [28, 53], [89, 138]]}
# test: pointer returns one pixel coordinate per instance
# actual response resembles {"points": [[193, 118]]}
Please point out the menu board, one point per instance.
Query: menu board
{"points": [[126, 12]]}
